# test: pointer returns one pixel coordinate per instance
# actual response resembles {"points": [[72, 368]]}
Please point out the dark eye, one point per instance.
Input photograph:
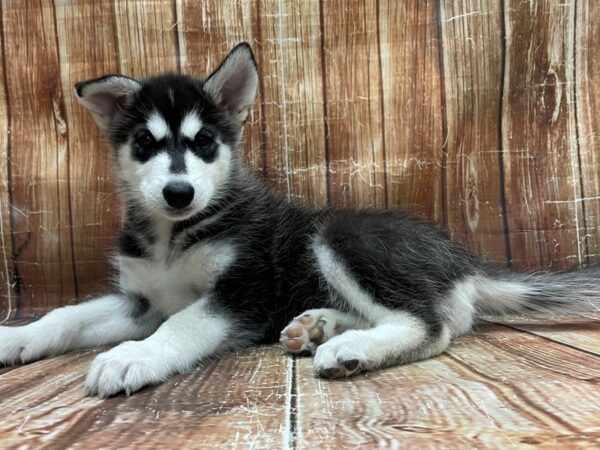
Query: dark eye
{"points": [[144, 145], [203, 140], [144, 138]]}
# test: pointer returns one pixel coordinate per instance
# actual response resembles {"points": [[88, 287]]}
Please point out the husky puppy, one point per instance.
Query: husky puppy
{"points": [[211, 261]]}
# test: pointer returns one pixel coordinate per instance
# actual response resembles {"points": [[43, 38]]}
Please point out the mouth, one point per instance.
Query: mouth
{"points": [[178, 213]]}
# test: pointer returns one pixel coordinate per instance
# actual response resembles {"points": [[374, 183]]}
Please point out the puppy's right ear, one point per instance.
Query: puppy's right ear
{"points": [[106, 97]]}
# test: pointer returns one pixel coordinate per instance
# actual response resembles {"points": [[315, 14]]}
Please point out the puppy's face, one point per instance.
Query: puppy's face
{"points": [[175, 137]]}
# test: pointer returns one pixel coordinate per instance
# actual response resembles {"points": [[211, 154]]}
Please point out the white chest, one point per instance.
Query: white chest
{"points": [[170, 284]]}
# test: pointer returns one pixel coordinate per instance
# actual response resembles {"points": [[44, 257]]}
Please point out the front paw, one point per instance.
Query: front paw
{"points": [[18, 345], [126, 368], [340, 357]]}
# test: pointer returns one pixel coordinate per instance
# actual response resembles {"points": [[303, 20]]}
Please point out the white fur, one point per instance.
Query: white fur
{"points": [[499, 295], [395, 335], [459, 308], [190, 125], [102, 321], [157, 125], [177, 346], [172, 285]]}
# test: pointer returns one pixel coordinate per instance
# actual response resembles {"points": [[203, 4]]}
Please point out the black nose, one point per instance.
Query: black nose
{"points": [[178, 194]]}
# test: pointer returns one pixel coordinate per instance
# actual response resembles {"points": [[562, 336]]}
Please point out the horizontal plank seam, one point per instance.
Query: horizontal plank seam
{"points": [[546, 338], [491, 383]]}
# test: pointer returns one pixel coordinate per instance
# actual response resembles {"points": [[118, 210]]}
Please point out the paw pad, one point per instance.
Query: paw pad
{"points": [[303, 334]]}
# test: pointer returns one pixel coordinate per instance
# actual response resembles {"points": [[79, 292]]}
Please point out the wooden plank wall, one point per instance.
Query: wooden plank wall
{"points": [[481, 116]]}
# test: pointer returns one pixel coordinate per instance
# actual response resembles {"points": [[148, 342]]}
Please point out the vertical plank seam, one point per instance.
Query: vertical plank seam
{"points": [[570, 90], [4, 256], [263, 121], [586, 236], [325, 114], [116, 34], [175, 28], [62, 110], [288, 176], [503, 206], [382, 105], [291, 406], [15, 271], [445, 136]]}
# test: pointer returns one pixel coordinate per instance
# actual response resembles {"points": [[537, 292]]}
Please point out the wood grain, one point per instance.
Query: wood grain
{"points": [[87, 49], [587, 98], [412, 106], [8, 295], [292, 87], [498, 388], [581, 332], [207, 31], [146, 34], [472, 64], [39, 165], [351, 70], [539, 140], [238, 402]]}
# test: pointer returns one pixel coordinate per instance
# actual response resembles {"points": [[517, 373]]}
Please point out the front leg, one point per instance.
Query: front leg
{"points": [[106, 320], [186, 338]]}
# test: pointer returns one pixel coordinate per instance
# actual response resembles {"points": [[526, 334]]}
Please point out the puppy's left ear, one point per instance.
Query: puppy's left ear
{"points": [[233, 85], [106, 97]]}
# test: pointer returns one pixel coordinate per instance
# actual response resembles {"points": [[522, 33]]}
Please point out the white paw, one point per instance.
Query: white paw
{"points": [[126, 368], [21, 345], [341, 356]]}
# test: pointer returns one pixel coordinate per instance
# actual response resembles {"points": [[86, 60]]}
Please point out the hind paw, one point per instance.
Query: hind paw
{"points": [[307, 331]]}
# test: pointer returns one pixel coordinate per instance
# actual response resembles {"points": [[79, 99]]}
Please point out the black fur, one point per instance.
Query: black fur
{"points": [[401, 261]]}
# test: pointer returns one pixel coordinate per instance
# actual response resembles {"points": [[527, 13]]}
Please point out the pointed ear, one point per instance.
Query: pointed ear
{"points": [[233, 85], [105, 97]]}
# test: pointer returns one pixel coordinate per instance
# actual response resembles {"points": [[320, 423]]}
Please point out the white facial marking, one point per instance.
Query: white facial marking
{"points": [[208, 178], [146, 180], [157, 126], [190, 125]]}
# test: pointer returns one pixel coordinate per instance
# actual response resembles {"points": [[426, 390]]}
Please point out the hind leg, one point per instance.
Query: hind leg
{"points": [[396, 336], [315, 326], [399, 340]]}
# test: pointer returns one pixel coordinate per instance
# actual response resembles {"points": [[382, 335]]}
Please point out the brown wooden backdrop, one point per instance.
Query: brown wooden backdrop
{"points": [[479, 115]]}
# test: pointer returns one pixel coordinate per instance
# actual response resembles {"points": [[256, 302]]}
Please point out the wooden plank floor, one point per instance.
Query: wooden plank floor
{"points": [[515, 384]]}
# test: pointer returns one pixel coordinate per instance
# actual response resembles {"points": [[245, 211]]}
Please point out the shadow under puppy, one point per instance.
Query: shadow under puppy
{"points": [[211, 261]]}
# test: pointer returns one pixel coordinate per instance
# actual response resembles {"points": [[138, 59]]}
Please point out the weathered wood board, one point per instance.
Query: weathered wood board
{"points": [[498, 388], [480, 116], [239, 402]]}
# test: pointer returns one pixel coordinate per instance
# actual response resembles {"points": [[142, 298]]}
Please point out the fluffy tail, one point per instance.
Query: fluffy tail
{"points": [[576, 292]]}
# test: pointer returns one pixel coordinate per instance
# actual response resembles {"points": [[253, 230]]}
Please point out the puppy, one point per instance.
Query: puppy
{"points": [[211, 261]]}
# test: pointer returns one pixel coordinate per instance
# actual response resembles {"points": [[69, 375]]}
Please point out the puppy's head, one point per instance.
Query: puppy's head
{"points": [[174, 136]]}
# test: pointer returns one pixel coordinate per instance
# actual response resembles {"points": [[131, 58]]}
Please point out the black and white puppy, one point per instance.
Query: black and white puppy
{"points": [[210, 261]]}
